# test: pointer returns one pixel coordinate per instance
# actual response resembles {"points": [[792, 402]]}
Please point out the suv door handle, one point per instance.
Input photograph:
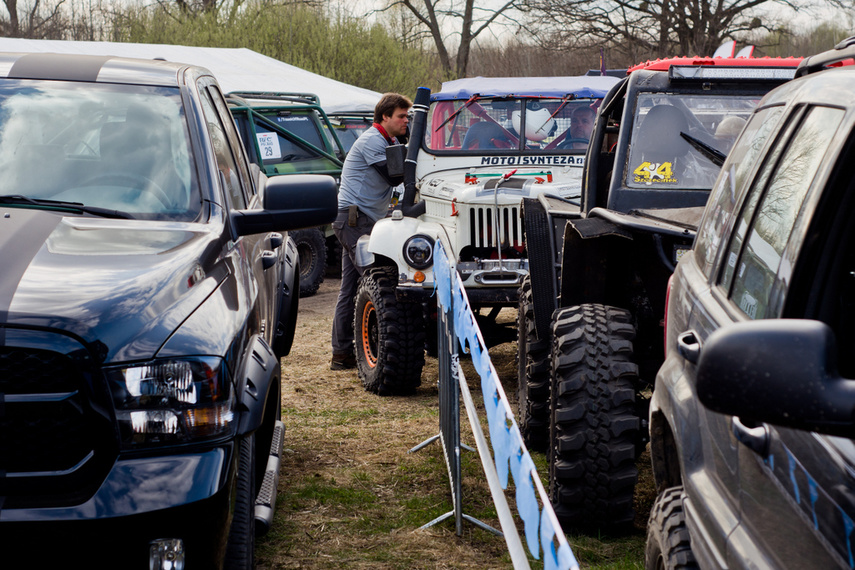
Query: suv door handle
{"points": [[757, 438], [689, 346]]}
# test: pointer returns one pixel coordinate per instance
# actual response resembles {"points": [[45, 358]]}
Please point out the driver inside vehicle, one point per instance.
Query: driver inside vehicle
{"points": [[581, 126]]}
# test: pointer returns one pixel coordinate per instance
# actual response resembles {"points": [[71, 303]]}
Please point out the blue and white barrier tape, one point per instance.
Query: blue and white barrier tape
{"points": [[542, 528]]}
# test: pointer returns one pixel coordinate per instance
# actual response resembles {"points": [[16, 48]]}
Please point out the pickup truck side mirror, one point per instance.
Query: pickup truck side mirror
{"points": [[290, 203], [778, 371]]}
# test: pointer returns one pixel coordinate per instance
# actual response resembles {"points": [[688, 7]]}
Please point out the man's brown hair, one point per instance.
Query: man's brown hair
{"points": [[388, 104]]}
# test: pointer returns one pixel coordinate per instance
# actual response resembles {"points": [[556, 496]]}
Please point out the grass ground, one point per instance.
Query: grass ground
{"points": [[353, 496]]}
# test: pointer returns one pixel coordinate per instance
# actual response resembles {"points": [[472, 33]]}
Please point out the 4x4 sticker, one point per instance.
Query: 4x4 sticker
{"points": [[654, 173]]}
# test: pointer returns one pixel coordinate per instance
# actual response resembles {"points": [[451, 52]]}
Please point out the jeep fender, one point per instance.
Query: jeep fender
{"points": [[596, 263], [253, 384], [288, 300], [389, 236]]}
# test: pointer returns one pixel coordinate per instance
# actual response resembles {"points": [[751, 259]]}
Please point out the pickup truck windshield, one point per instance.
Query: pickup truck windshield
{"points": [[115, 147], [676, 138], [509, 125]]}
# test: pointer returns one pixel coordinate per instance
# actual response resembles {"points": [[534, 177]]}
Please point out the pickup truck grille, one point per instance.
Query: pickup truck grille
{"points": [[484, 228], [45, 428]]}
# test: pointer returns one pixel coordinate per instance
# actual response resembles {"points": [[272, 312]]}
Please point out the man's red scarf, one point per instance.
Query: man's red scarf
{"points": [[379, 127]]}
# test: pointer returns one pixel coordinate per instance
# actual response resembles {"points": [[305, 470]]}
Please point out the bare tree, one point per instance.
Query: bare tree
{"points": [[471, 18], [648, 28], [33, 21]]}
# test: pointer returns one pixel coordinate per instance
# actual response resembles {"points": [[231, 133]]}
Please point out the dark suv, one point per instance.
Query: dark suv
{"points": [[147, 292], [751, 422]]}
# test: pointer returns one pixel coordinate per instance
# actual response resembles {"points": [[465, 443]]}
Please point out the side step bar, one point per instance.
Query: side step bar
{"points": [[265, 502]]}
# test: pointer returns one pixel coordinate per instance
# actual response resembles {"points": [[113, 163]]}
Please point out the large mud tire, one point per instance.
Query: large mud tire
{"points": [[533, 378], [390, 336], [312, 249], [668, 544], [240, 548], [594, 423]]}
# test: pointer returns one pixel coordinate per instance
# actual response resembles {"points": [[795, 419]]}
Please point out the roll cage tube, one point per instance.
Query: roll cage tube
{"points": [[252, 114]]}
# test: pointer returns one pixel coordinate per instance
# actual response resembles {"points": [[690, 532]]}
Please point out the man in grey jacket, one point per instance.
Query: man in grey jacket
{"points": [[363, 198]]}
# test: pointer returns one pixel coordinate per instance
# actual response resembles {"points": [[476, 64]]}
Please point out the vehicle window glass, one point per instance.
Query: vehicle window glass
{"points": [[235, 143], [225, 161], [117, 147], [723, 197], [281, 154], [537, 126], [778, 209], [667, 130]]}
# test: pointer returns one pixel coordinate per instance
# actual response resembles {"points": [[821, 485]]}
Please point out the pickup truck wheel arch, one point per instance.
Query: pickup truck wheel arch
{"points": [[390, 336], [533, 377], [594, 421]]}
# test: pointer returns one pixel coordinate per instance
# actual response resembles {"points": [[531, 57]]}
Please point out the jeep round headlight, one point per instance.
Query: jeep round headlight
{"points": [[172, 401], [418, 251]]}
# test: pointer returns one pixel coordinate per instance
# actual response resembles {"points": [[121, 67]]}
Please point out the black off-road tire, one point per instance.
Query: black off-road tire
{"points": [[594, 420], [312, 249], [668, 544], [240, 548], [533, 378], [389, 336]]}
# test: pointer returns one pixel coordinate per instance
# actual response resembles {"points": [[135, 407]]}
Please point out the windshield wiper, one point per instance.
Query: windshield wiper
{"points": [[60, 205], [716, 156]]}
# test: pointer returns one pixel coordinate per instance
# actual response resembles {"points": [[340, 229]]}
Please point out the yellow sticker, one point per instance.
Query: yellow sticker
{"points": [[654, 173]]}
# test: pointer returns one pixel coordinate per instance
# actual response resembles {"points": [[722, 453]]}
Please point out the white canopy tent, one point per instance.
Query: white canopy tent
{"points": [[236, 69]]}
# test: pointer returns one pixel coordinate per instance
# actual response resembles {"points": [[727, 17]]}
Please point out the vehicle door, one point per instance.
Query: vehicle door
{"points": [[798, 498], [779, 470], [246, 253], [701, 305]]}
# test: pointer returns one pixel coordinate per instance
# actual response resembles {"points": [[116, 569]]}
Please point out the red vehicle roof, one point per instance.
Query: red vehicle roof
{"points": [[665, 64]]}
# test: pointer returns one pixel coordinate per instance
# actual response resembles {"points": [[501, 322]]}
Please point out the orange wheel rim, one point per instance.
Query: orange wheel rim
{"points": [[370, 334]]}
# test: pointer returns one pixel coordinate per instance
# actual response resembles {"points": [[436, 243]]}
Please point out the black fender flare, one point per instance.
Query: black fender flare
{"points": [[595, 263], [254, 384]]}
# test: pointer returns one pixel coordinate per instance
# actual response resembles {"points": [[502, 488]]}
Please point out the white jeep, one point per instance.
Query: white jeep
{"points": [[478, 149]]}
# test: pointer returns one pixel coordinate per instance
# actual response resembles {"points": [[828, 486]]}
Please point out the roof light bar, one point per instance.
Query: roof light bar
{"points": [[720, 73]]}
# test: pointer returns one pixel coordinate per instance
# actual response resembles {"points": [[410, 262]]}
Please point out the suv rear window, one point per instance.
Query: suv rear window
{"points": [[661, 154]]}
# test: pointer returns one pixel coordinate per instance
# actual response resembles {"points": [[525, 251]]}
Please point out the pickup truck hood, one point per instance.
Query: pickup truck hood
{"points": [[121, 285]]}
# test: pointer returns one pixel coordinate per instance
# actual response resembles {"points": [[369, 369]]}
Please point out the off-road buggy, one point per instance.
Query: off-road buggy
{"points": [[590, 332]]}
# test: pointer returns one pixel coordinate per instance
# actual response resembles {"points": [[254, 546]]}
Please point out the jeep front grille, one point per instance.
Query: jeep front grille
{"points": [[483, 226]]}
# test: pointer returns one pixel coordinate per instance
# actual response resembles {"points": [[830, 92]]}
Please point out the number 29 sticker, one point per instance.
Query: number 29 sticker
{"points": [[654, 173]]}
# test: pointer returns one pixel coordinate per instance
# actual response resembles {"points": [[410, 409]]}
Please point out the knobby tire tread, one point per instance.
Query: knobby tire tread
{"points": [[533, 378], [312, 249], [668, 541], [594, 423], [400, 336]]}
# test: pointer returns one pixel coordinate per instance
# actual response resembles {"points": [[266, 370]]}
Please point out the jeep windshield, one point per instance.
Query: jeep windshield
{"points": [[114, 150], [678, 140], [510, 125]]}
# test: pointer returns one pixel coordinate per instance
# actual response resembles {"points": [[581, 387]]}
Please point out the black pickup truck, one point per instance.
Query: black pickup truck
{"points": [[149, 288]]}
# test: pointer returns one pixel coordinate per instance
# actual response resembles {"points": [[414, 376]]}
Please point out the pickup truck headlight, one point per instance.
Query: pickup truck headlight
{"points": [[418, 251], [172, 401]]}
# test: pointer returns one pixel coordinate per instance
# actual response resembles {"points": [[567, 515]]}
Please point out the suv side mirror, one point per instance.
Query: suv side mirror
{"points": [[290, 202], [779, 371]]}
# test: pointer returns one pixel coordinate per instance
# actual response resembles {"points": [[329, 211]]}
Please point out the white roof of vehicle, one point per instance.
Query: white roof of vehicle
{"points": [[236, 69]]}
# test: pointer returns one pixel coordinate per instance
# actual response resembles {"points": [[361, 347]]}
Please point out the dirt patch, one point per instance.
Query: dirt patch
{"points": [[353, 496]]}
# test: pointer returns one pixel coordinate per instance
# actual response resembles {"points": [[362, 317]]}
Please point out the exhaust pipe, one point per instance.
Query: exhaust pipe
{"points": [[417, 132]]}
